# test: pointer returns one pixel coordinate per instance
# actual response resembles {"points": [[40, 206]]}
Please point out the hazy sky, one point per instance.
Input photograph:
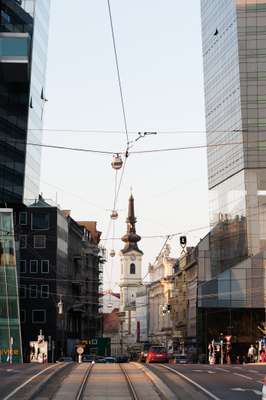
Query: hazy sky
{"points": [[160, 57]]}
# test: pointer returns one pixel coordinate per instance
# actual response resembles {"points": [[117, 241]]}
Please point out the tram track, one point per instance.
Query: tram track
{"points": [[84, 383], [132, 390], [31, 387], [116, 380]]}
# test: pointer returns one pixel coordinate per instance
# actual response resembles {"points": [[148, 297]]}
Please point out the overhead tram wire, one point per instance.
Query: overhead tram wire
{"points": [[106, 131], [169, 235], [126, 153], [164, 244], [118, 72]]}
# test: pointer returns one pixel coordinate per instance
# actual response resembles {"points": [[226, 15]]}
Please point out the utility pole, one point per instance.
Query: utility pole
{"points": [[11, 342], [222, 351], [121, 339], [61, 315]]}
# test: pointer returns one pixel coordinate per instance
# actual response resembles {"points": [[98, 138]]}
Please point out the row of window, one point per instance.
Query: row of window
{"points": [[34, 291], [39, 221], [37, 316], [35, 266], [39, 241]]}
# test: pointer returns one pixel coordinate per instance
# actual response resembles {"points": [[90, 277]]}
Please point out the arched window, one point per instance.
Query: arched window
{"points": [[132, 268]]}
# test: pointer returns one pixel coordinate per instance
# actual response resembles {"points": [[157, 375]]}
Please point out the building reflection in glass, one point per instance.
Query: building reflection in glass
{"points": [[10, 336]]}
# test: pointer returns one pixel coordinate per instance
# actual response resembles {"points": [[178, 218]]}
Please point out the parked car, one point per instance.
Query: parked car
{"points": [[100, 359], [65, 359], [157, 354], [122, 359], [88, 358], [110, 360], [180, 359]]}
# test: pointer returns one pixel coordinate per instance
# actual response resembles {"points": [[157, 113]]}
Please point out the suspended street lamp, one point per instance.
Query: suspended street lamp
{"points": [[117, 162], [112, 253], [114, 214], [60, 306]]}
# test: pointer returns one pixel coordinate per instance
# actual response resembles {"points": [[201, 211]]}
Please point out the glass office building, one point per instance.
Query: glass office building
{"points": [[234, 57], [23, 49], [10, 337]]}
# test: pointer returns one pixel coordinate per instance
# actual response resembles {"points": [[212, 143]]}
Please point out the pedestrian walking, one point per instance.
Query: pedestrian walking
{"points": [[251, 354], [262, 357]]}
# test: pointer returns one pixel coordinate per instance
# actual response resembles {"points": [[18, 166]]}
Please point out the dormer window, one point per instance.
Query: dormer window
{"points": [[132, 268]]}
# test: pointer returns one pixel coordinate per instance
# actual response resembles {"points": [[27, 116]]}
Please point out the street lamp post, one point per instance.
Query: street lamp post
{"points": [[61, 316], [121, 336], [222, 351]]}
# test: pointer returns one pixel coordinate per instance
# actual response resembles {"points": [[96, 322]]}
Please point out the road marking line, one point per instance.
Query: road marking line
{"points": [[211, 372], [243, 376], [157, 382], [261, 382], [193, 383], [25, 383], [252, 372], [222, 369]]}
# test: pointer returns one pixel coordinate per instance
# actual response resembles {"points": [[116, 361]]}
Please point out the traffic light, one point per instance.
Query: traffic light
{"points": [[183, 240]]}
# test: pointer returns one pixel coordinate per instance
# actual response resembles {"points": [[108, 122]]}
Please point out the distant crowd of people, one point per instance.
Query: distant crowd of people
{"points": [[256, 355]]}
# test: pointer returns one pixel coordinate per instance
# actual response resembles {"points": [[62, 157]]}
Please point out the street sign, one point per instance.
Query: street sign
{"points": [[80, 350], [228, 338]]}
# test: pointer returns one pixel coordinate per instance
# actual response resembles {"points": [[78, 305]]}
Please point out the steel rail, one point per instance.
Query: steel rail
{"points": [[84, 383], [56, 367], [132, 390]]}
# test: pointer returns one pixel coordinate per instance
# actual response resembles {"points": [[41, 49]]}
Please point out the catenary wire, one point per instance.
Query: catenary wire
{"points": [[98, 131], [137, 152], [118, 71]]}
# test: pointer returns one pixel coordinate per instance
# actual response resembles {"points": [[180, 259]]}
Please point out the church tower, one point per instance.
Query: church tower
{"points": [[130, 276]]}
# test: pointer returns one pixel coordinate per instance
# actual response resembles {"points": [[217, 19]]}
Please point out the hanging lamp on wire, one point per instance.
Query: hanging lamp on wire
{"points": [[117, 162], [112, 253], [114, 214]]}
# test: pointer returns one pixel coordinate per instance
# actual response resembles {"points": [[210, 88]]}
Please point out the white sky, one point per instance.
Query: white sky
{"points": [[160, 57]]}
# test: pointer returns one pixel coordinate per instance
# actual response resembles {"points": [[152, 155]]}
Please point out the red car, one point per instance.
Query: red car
{"points": [[157, 354]]}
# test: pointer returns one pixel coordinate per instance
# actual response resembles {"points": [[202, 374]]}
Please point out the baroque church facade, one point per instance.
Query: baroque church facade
{"points": [[130, 281]]}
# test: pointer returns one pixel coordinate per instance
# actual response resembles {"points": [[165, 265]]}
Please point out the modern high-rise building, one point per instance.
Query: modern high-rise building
{"points": [[10, 338], [23, 50], [234, 55], [232, 298]]}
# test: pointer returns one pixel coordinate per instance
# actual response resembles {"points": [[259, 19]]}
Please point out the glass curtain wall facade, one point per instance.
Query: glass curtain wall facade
{"points": [[10, 337], [23, 48], [234, 57]]}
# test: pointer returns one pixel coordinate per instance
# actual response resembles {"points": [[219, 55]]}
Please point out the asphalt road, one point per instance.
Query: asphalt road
{"points": [[14, 375], [190, 382], [227, 382]]}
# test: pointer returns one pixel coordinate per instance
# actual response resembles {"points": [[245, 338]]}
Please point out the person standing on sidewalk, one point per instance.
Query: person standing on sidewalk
{"points": [[251, 354]]}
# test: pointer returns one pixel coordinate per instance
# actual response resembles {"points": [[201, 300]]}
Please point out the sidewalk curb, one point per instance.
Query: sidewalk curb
{"points": [[161, 387], [37, 389]]}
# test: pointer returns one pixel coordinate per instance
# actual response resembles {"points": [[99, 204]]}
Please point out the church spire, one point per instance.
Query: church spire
{"points": [[131, 238]]}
